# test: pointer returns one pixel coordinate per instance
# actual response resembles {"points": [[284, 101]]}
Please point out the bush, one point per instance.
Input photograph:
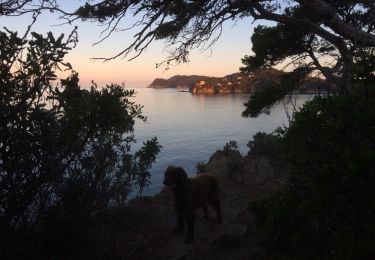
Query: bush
{"points": [[231, 146], [328, 208], [201, 167], [267, 144], [64, 152]]}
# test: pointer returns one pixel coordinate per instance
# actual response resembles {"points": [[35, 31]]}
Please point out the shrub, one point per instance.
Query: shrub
{"points": [[266, 144], [328, 208], [231, 146], [201, 167], [64, 152]]}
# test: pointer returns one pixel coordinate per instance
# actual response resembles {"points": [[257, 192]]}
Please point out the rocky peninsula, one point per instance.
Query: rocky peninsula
{"points": [[178, 81], [241, 83]]}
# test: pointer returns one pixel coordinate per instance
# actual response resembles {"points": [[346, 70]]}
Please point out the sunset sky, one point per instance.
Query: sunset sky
{"points": [[224, 58]]}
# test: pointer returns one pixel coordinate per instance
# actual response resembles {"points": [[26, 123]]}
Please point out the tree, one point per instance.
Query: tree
{"points": [[65, 152], [327, 208], [19, 7], [305, 29]]}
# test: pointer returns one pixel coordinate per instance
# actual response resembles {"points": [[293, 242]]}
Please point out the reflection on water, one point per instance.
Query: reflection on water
{"points": [[192, 127]]}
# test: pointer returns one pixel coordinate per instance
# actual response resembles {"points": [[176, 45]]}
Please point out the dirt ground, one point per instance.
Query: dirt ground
{"points": [[233, 239]]}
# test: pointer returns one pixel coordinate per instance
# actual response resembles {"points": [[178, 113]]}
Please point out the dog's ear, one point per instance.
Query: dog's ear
{"points": [[181, 175]]}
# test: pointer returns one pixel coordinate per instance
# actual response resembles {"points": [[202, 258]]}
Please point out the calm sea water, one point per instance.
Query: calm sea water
{"points": [[192, 127]]}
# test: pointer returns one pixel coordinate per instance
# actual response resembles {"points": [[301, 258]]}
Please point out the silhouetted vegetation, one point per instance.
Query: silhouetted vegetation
{"points": [[231, 146], [264, 98], [65, 152], [327, 209], [271, 145]]}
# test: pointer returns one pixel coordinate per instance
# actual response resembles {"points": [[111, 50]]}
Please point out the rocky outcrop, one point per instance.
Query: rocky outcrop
{"points": [[242, 179], [261, 170], [226, 164], [246, 83], [142, 229], [179, 82], [159, 83]]}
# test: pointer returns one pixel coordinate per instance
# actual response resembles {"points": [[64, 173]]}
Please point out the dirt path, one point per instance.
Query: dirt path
{"points": [[233, 239]]}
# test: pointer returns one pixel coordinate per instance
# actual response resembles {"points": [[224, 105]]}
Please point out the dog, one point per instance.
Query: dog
{"points": [[190, 194]]}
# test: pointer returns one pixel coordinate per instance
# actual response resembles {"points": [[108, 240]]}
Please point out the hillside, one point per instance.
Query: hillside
{"points": [[178, 81], [237, 82]]}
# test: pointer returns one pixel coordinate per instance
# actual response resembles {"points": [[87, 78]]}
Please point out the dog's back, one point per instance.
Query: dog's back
{"points": [[205, 189]]}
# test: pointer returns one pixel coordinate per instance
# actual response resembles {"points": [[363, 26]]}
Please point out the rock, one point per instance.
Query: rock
{"points": [[257, 171], [226, 164]]}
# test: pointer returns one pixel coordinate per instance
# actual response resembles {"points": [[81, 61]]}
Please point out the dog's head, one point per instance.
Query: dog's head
{"points": [[174, 176]]}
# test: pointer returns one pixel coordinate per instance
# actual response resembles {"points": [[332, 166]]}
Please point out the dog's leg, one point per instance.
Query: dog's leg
{"points": [[180, 222], [205, 213], [190, 219]]}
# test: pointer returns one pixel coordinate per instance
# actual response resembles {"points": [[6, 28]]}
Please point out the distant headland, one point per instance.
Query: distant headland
{"points": [[178, 81], [241, 83]]}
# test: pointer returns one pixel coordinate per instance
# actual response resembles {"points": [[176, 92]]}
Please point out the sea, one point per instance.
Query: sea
{"points": [[191, 128]]}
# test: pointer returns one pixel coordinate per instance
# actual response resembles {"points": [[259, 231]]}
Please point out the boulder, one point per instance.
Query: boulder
{"points": [[254, 171], [225, 164]]}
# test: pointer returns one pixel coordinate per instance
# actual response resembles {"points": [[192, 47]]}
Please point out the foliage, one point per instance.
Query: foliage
{"points": [[65, 152], [294, 37], [201, 167], [263, 99], [267, 144], [233, 156], [272, 45], [309, 52], [19, 7], [327, 210], [231, 146], [364, 73]]}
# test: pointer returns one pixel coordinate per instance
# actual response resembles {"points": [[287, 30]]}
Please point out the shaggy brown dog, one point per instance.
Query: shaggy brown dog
{"points": [[190, 194]]}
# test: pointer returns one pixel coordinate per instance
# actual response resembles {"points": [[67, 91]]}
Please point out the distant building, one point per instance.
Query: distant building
{"points": [[202, 82]]}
